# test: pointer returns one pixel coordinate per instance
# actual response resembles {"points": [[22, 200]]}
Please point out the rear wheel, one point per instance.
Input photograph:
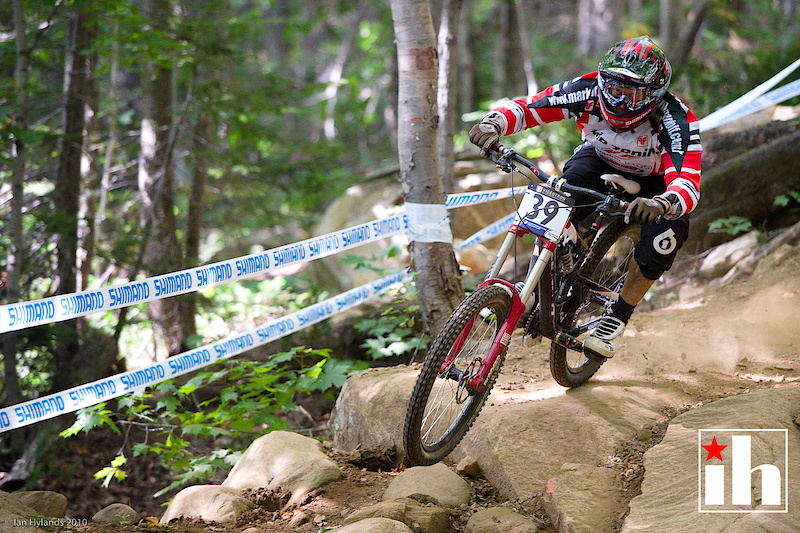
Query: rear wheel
{"points": [[443, 406], [607, 265]]}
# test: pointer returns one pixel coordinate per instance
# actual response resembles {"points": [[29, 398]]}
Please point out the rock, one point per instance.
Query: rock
{"points": [[437, 482], [670, 502], [500, 520], [283, 460], [375, 525], [521, 446], [252, 530], [770, 262], [371, 409], [45, 502], [578, 499], [16, 515], [426, 518], [116, 513], [724, 257], [212, 503], [469, 467], [644, 434]]}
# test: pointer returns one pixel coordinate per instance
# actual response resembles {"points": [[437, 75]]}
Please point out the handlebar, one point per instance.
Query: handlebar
{"points": [[506, 157]]}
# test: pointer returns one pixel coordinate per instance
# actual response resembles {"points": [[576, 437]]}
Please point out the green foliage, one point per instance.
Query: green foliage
{"points": [[734, 224], [230, 403], [392, 333], [784, 200]]}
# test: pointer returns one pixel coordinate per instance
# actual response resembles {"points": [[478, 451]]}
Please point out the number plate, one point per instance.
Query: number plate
{"points": [[544, 212]]}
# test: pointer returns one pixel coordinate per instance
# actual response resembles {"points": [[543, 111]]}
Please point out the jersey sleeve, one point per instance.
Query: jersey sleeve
{"points": [[681, 153], [558, 102]]}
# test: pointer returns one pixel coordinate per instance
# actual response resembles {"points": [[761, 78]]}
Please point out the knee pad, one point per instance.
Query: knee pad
{"points": [[659, 245]]}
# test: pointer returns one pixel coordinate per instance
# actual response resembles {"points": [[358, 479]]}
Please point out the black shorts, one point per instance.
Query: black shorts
{"points": [[659, 243]]}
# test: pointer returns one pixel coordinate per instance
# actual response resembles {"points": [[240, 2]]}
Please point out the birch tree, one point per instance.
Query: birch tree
{"points": [[437, 277]]}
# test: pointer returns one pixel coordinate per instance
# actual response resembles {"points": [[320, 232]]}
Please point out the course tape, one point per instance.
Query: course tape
{"points": [[89, 394], [65, 307], [735, 109], [498, 227]]}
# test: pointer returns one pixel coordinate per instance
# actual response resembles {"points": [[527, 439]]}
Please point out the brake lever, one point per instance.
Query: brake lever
{"points": [[504, 162]]}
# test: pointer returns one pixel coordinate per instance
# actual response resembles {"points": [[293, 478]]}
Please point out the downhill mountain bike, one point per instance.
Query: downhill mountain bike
{"points": [[573, 279]]}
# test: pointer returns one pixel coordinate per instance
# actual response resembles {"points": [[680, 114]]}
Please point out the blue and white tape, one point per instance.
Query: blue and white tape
{"points": [[746, 104], [89, 394], [59, 308]]}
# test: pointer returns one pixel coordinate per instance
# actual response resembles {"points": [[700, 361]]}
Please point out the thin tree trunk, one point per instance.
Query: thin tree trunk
{"points": [[466, 70], [525, 45], [437, 282], [684, 45], [68, 186], [15, 256], [162, 252], [599, 28], [500, 52], [105, 180], [90, 174], [447, 92]]}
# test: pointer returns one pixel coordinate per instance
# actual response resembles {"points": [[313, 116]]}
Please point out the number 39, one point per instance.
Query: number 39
{"points": [[549, 209]]}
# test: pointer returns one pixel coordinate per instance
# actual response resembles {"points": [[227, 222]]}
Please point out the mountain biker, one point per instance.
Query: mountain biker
{"points": [[631, 126]]}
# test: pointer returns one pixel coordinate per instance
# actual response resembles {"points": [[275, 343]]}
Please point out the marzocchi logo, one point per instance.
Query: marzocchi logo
{"points": [[743, 470]]}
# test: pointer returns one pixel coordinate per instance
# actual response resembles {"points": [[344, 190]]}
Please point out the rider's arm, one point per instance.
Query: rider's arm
{"points": [[681, 153], [558, 102]]}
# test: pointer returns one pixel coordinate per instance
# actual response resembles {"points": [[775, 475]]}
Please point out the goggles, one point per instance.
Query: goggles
{"points": [[616, 93]]}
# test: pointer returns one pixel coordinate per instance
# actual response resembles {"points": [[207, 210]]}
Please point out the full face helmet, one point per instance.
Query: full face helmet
{"points": [[632, 78]]}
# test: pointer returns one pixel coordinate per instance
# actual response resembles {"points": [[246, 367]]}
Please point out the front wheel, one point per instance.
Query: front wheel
{"points": [[607, 265], [443, 406]]}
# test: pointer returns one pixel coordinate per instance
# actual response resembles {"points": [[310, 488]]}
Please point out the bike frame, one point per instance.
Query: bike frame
{"points": [[518, 300]]}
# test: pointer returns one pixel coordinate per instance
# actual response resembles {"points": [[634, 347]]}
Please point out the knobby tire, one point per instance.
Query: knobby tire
{"points": [[565, 373], [422, 406]]}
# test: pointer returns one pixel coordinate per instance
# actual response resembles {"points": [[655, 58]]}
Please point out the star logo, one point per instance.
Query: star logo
{"points": [[714, 449]]}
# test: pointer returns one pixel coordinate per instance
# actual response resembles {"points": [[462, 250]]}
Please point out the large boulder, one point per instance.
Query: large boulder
{"points": [[500, 520], [572, 503], [209, 502], [45, 502], [435, 483], [418, 516], [520, 446], [16, 516], [670, 499], [283, 460], [375, 525], [371, 409], [723, 257]]}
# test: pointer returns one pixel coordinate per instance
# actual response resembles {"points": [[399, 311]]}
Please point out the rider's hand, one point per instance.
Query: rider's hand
{"points": [[645, 210], [486, 134]]}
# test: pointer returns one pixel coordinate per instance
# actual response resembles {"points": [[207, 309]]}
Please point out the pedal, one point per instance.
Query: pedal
{"points": [[594, 356]]}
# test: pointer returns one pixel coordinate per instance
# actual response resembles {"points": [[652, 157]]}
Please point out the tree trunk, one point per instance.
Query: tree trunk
{"points": [[437, 281], [684, 45], [162, 252], [90, 174], [105, 180], [448, 46], [466, 67], [525, 47], [599, 26], [68, 187], [16, 252]]}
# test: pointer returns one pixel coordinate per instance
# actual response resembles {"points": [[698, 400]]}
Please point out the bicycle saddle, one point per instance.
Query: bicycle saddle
{"points": [[619, 182]]}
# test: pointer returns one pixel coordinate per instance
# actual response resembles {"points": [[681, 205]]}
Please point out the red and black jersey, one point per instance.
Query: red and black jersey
{"points": [[665, 147]]}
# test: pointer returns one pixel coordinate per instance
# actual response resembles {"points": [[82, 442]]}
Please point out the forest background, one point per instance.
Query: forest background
{"points": [[144, 137]]}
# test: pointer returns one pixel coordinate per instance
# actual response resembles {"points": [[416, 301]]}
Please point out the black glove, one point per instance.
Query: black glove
{"points": [[486, 134], [646, 210]]}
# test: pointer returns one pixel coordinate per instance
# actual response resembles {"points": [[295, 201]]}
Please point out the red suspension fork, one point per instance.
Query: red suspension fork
{"points": [[503, 337]]}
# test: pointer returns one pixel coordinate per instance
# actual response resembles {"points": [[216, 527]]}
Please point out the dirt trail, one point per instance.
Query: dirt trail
{"points": [[722, 340]]}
